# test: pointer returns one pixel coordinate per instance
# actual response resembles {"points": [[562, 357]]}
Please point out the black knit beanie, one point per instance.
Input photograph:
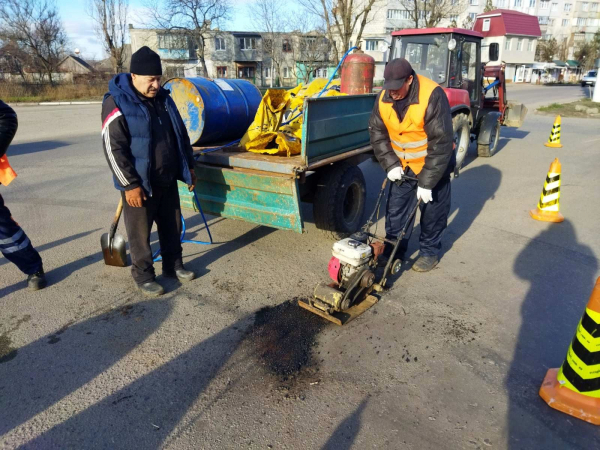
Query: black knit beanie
{"points": [[145, 62]]}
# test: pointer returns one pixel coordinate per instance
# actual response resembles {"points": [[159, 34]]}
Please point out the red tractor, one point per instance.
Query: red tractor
{"points": [[452, 58]]}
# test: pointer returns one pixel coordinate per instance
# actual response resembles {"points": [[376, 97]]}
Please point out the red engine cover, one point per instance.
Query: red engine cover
{"points": [[457, 97], [357, 74], [334, 269]]}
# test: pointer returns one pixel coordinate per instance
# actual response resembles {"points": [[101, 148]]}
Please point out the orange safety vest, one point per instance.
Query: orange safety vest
{"points": [[7, 174], [408, 137]]}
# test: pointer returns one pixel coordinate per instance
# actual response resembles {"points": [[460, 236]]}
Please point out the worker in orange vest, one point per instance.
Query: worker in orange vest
{"points": [[411, 135], [14, 243]]}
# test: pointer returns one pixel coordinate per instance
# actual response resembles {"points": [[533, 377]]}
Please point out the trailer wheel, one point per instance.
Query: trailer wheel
{"points": [[460, 125], [339, 201], [488, 150]]}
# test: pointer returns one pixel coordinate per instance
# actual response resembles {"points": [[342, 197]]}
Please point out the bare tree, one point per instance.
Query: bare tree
{"points": [[489, 6], [191, 19], [268, 15], [14, 59], [342, 19], [110, 22], [311, 53], [35, 26], [430, 13]]}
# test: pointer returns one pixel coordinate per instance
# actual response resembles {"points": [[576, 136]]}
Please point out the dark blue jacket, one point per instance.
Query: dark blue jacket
{"points": [[132, 168]]}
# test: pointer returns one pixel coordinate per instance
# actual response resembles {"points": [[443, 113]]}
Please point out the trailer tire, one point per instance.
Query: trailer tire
{"points": [[487, 150], [461, 129], [339, 201]]}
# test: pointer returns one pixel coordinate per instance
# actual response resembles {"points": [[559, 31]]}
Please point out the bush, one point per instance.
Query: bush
{"points": [[20, 92]]}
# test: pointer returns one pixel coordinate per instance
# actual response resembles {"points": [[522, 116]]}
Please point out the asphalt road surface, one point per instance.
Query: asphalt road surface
{"points": [[449, 359]]}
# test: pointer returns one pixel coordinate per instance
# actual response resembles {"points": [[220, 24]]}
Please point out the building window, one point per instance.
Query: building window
{"points": [[398, 14], [519, 45], [500, 3], [454, 18], [584, 6], [286, 72], [389, 30], [550, 21], [246, 72], [172, 42], [486, 25], [507, 44], [472, 17], [567, 7], [518, 3], [554, 7], [248, 43], [580, 21], [529, 44], [532, 3], [543, 20], [286, 46], [594, 7], [473, 2], [544, 4], [267, 72], [565, 22], [221, 71], [219, 43], [371, 44], [321, 73]]}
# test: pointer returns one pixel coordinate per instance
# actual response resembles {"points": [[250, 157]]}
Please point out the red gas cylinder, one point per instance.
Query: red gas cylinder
{"points": [[357, 74]]}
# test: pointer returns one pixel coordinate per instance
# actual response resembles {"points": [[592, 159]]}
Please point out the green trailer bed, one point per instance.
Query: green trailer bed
{"points": [[268, 189]]}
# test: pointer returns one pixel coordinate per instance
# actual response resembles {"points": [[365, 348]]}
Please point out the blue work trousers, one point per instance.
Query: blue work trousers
{"points": [[434, 215], [15, 245]]}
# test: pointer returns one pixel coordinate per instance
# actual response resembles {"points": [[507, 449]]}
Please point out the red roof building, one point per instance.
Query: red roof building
{"points": [[516, 34]]}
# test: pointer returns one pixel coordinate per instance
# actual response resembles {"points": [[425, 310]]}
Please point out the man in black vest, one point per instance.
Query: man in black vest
{"points": [[148, 149]]}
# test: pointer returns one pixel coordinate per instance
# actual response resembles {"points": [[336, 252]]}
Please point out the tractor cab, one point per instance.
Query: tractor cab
{"points": [[449, 56]]}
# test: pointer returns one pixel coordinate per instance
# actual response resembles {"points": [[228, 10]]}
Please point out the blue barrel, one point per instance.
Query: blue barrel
{"points": [[219, 110]]}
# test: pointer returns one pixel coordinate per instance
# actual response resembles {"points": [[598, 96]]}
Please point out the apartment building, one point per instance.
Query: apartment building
{"points": [[570, 22], [268, 59]]}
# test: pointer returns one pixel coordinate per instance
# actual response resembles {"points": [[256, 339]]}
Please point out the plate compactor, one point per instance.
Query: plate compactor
{"points": [[353, 271]]}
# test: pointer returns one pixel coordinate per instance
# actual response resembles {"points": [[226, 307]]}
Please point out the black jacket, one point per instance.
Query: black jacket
{"points": [[440, 159], [8, 126]]}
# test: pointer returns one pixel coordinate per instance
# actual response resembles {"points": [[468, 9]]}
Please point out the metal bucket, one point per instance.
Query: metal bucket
{"points": [[219, 110]]}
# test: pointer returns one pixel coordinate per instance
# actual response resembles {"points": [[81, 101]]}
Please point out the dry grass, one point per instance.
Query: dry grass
{"points": [[568, 109], [16, 92]]}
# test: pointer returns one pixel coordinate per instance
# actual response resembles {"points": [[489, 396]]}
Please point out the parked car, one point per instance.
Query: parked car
{"points": [[589, 78]]}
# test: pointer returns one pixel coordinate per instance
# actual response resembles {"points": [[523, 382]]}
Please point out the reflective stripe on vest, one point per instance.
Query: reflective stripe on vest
{"points": [[408, 138]]}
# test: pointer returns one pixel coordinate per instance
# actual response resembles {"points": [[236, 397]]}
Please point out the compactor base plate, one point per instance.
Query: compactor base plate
{"points": [[343, 317]]}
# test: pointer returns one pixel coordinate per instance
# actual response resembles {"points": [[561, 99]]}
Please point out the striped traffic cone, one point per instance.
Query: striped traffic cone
{"points": [[547, 209], [554, 139], [575, 387]]}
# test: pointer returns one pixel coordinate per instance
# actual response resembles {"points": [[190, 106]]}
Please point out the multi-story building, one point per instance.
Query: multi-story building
{"points": [[266, 59], [570, 22]]}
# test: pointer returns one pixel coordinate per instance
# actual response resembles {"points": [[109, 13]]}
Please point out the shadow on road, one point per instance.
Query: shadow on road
{"points": [[44, 372], [346, 432], [60, 273], [34, 147], [470, 192], [561, 275]]}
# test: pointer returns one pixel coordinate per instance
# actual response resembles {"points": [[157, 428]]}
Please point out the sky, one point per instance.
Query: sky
{"points": [[80, 27]]}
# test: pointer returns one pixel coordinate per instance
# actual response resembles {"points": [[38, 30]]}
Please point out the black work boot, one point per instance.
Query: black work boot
{"points": [[37, 281], [425, 263], [151, 289], [182, 274]]}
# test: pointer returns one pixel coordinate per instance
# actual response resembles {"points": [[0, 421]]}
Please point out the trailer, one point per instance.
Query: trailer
{"points": [[268, 189]]}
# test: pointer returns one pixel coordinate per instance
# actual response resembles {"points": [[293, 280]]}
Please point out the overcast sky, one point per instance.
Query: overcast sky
{"points": [[81, 32]]}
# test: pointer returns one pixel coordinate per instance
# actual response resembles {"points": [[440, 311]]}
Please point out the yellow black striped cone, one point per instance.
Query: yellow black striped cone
{"points": [[554, 139], [575, 387], [547, 209]]}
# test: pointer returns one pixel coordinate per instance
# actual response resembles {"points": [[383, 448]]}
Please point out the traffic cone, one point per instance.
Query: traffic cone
{"points": [[575, 387], [547, 209], [554, 139]]}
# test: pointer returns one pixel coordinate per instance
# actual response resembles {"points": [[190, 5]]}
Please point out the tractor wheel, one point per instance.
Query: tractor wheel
{"points": [[488, 150], [460, 125], [339, 201]]}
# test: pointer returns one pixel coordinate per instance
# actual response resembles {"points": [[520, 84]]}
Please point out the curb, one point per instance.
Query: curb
{"points": [[56, 103]]}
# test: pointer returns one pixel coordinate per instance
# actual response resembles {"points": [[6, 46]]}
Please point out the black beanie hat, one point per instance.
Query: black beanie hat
{"points": [[145, 62]]}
